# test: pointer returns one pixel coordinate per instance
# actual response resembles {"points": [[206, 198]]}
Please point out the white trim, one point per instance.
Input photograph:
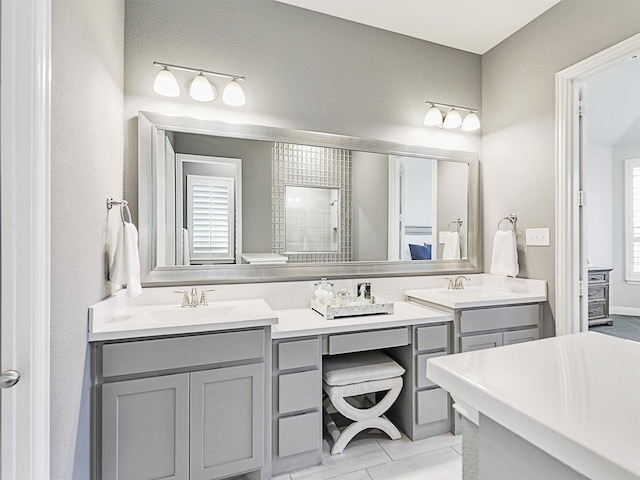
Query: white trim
{"points": [[630, 311], [630, 275], [567, 263]]}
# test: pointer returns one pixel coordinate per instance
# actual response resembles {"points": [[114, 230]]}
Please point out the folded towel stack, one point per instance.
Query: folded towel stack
{"points": [[451, 249], [125, 268], [504, 260]]}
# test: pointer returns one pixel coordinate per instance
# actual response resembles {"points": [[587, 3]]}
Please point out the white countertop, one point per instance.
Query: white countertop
{"points": [[109, 320], [576, 397], [483, 291], [299, 322]]}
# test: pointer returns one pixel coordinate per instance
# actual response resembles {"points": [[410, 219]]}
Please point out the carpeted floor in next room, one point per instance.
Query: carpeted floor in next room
{"points": [[623, 326]]}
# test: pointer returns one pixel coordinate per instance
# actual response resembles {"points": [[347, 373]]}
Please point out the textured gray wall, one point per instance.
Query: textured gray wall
{"points": [[86, 167], [304, 70], [518, 97]]}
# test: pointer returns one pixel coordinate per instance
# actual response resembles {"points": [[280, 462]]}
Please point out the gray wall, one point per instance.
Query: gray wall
{"points": [[370, 196], [304, 70], [86, 167], [518, 117]]}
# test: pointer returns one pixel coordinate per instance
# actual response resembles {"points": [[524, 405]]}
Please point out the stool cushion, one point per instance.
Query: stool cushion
{"points": [[358, 368]]}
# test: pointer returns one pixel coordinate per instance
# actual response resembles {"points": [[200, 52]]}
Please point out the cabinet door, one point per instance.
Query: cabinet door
{"points": [[145, 428], [520, 336], [227, 421]]}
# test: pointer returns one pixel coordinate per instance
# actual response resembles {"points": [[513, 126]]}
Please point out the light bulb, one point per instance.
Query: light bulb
{"points": [[453, 119], [433, 117], [201, 89], [233, 94], [471, 122], [166, 84]]}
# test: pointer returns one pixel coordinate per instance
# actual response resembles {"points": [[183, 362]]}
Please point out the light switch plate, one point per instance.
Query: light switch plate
{"points": [[537, 237]]}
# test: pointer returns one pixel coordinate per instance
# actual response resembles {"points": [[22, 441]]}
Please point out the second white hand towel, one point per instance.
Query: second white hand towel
{"points": [[126, 261], [504, 260], [451, 250]]}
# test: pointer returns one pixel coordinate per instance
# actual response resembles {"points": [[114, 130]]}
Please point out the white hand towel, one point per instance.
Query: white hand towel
{"points": [[126, 261], [451, 249], [504, 260], [186, 257]]}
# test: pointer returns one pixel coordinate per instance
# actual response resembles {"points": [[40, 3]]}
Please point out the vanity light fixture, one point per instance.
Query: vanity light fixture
{"points": [[453, 118], [201, 88]]}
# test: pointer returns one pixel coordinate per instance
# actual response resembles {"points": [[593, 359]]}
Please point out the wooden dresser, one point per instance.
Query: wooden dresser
{"points": [[598, 292]]}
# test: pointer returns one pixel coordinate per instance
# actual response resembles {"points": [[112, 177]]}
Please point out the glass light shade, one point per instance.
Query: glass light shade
{"points": [[166, 84], [233, 94], [471, 122], [201, 89], [452, 119], [433, 117]]}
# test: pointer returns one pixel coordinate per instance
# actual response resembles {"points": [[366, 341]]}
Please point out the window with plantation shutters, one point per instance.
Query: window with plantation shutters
{"points": [[211, 217], [632, 216]]}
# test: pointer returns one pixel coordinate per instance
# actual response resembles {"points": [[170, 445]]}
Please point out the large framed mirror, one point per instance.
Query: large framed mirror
{"points": [[230, 203]]}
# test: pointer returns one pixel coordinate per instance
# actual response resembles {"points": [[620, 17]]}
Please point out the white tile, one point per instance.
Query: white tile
{"points": [[404, 447], [359, 455], [359, 475], [458, 448], [444, 464]]}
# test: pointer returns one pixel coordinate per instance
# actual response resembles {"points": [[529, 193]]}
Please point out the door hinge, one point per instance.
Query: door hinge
{"points": [[582, 198], [581, 108], [581, 288]]}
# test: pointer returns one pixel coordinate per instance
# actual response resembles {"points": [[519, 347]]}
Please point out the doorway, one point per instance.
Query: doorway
{"points": [[571, 259]]}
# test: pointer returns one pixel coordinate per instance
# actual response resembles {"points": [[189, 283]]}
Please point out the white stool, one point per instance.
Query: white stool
{"points": [[356, 374]]}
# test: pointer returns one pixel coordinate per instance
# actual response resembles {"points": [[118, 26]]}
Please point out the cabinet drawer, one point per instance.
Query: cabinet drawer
{"points": [[422, 380], [597, 310], [598, 277], [432, 338], [598, 292], [432, 406], [520, 336], [372, 340], [299, 391], [480, 342], [499, 318], [299, 354], [298, 434], [170, 353]]}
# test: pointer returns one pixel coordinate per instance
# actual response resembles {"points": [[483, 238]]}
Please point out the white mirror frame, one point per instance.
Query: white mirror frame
{"points": [[149, 123]]}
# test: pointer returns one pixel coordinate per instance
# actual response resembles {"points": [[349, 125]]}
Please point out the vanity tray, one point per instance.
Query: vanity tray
{"points": [[377, 306]]}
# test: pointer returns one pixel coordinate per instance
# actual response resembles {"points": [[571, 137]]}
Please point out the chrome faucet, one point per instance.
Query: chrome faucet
{"points": [[190, 299], [458, 283]]}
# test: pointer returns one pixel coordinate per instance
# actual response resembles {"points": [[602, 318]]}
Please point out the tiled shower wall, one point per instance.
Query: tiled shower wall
{"points": [[304, 165]]}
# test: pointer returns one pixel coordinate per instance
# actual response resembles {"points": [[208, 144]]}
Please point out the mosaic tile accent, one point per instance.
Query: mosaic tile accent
{"points": [[304, 165]]}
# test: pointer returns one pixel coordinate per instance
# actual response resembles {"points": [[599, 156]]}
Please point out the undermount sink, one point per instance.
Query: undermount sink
{"points": [[512, 291], [210, 313]]}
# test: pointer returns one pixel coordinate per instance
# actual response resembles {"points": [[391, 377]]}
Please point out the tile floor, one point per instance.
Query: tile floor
{"points": [[373, 457], [623, 326]]}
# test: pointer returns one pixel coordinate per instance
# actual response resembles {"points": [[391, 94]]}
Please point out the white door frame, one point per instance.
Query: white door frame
{"points": [[568, 262], [25, 260]]}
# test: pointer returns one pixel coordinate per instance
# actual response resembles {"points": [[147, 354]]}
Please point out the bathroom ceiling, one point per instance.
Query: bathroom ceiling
{"points": [[472, 25]]}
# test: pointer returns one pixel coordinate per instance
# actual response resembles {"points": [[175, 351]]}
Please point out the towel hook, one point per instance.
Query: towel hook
{"points": [[513, 218], [124, 206], [457, 222]]}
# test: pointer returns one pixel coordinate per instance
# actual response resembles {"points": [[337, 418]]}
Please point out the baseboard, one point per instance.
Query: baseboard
{"points": [[633, 312]]}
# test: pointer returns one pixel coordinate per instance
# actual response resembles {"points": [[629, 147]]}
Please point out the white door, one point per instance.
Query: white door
{"points": [[24, 232]]}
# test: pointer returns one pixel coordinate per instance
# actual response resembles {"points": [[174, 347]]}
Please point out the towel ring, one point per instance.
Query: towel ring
{"points": [[513, 218], [124, 207], [457, 222]]}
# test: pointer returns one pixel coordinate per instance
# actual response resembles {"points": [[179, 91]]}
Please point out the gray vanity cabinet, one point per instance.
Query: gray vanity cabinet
{"points": [[189, 407], [296, 404], [423, 409], [482, 328]]}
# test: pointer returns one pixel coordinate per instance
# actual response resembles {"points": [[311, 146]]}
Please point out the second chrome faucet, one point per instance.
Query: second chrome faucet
{"points": [[190, 299]]}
